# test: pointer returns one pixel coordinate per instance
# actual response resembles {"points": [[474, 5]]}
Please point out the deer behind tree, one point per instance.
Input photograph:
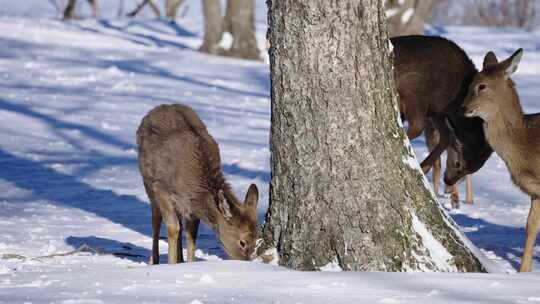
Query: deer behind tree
{"points": [[181, 169]]}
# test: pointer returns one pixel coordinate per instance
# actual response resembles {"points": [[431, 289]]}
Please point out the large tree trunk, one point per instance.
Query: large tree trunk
{"points": [[407, 17], [346, 186], [240, 22], [212, 27]]}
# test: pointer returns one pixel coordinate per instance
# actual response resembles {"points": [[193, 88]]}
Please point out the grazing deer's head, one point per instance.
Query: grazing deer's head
{"points": [[236, 224], [491, 92], [468, 149]]}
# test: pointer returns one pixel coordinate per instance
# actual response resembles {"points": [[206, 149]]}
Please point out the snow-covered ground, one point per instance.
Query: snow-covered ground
{"points": [[71, 97]]}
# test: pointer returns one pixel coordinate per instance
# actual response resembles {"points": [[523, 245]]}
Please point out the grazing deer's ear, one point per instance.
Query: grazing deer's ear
{"points": [[449, 125], [510, 65], [223, 206], [490, 60], [252, 196]]}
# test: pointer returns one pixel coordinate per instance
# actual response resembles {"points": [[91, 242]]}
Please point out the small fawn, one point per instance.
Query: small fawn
{"points": [[514, 136], [181, 169]]}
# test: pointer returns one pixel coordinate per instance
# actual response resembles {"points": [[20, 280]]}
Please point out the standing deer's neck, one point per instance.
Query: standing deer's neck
{"points": [[506, 132]]}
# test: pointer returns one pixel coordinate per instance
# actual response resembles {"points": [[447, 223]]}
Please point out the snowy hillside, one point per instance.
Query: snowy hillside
{"points": [[71, 97]]}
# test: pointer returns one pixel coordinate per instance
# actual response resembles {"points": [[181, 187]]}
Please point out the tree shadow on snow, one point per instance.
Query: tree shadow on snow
{"points": [[505, 241]]}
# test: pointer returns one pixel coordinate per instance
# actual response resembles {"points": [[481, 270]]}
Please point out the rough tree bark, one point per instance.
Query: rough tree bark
{"points": [[407, 17], [345, 186], [171, 8], [239, 21]]}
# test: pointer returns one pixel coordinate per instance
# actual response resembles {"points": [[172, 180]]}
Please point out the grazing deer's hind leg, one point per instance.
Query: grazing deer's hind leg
{"points": [[531, 232], [192, 227], [432, 139], [169, 216], [469, 198], [180, 257], [156, 226], [416, 126]]}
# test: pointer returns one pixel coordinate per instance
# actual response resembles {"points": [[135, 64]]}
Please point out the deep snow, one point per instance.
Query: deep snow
{"points": [[71, 97]]}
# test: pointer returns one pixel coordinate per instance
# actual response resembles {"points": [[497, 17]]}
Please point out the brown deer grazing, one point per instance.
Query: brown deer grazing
{"points": [[181, 169], [514, 136], [432, 76], [431, 135]]}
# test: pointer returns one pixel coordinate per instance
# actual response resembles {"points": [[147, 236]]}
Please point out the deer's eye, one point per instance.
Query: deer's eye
{"points": [[242, 244], [480, 88]]}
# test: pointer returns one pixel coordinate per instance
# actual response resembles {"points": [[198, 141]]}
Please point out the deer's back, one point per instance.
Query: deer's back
{"points": [[432, 69], [176, 149]]}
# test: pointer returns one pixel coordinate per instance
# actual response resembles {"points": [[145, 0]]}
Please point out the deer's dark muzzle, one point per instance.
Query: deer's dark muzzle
{"points": [[450, 181]]}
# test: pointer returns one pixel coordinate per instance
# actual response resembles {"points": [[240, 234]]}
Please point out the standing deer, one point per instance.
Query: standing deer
{"points": [[432, 76], [181, 169], [514, 136]]}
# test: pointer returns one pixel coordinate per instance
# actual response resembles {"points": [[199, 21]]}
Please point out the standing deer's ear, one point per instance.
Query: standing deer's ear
{"points": [[223, 206], [252, 196], [490, 60], [510, 65]]}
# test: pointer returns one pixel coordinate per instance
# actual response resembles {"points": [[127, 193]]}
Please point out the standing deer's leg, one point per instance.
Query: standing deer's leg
{"points": [[192, 227], [156, 226], [469, 198], [531, 232], [169, 216]]}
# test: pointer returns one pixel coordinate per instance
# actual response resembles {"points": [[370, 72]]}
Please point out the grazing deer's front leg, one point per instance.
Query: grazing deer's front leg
{"points": [[469, 198], [432, 139], [444, 140], [192, 227], [531, 232], [436, 176], [454, 196]]}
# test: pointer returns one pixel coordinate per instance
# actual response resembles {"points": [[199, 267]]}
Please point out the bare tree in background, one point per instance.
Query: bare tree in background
{"points": [[407, 17], [141, 5], [171, 8], [239, 21], [69, 11], [343, 189], [514, 13]]}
